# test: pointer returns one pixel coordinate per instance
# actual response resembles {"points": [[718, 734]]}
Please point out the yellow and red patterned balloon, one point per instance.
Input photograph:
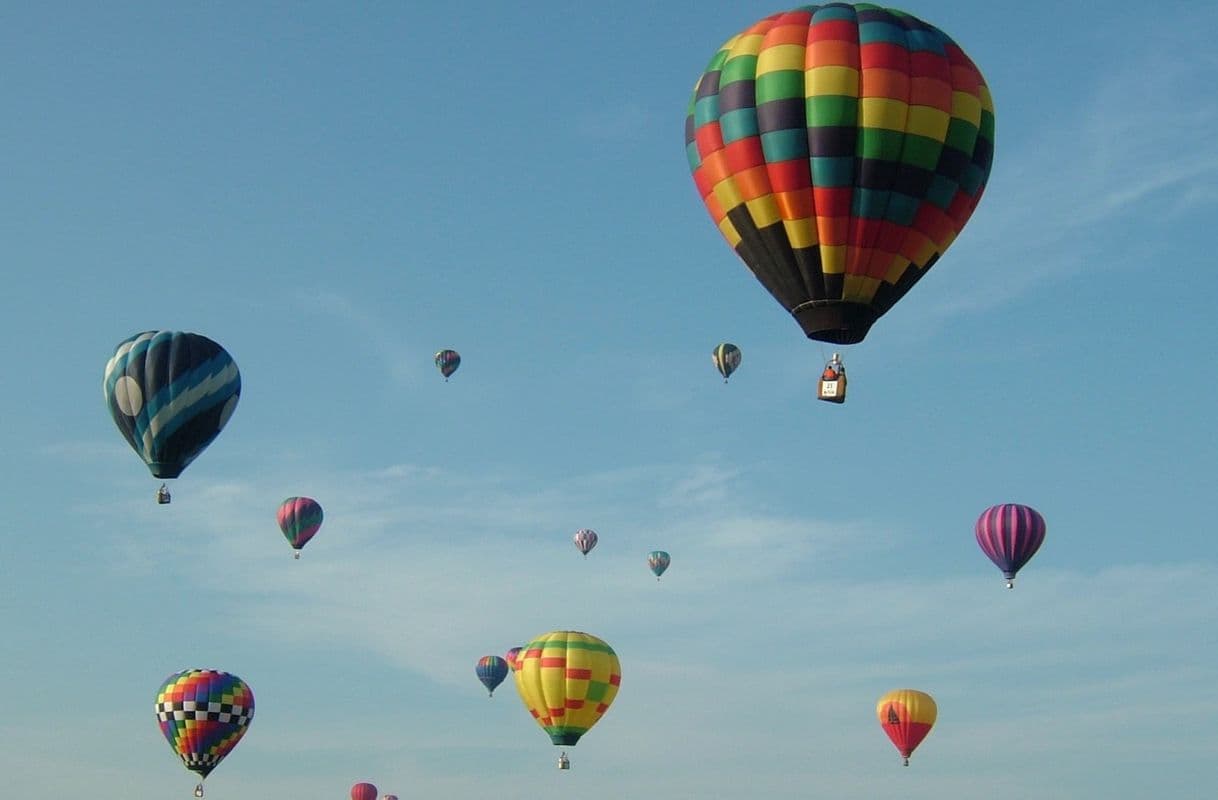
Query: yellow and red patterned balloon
{"points": [[906, 715], [567, 680], [203, 714]]}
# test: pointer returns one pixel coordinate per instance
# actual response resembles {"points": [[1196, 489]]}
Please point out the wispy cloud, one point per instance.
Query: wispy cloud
{"points": [[377, 334], [1124, 160]]}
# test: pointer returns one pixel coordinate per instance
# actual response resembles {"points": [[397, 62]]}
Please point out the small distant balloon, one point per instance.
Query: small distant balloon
{"points": [[363, 791], [727, 359], [658, 560], [447, 361], [390, 797], [491, 670], [299, 519], [510, 657], [585, 539], [1010, 534], [906, 715]]}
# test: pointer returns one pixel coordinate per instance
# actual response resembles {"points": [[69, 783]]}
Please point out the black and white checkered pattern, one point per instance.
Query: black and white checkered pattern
{"points": [[189, 709]]}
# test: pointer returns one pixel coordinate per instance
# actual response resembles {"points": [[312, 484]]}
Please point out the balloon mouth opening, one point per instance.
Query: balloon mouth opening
{"points": [[568, 739], [164, 470], [835, 321]]}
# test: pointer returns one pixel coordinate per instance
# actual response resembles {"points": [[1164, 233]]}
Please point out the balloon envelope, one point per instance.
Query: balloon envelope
{"points": [[491, 670], [299, 519], [1010, 534], [585, 539], [567, 680], [510, 657], [203, 713], [170, 394], [658, 560], [906, 715], [840, 149], [726, 358], [447, 361], [363, 791]]}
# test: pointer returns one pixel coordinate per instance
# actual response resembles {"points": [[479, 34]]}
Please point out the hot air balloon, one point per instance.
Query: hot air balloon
{"points": [[299, 519], [491, 670], [1010, 534], [510, 657], [658, 560], [170, 393], [448, 361], [906, 715], [840, 149], [203, 714], [727, 359], [585, 539], [390, 797], [567, 680], [363, 791]]}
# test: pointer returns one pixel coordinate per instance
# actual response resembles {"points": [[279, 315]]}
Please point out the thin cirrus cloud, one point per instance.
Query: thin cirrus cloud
{"points": [[1129, 146]]}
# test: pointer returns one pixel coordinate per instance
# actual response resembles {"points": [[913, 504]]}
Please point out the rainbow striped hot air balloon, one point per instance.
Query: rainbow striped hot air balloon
{"points": [[840, 149], [567, 680], [1010, 534], [491, 670], [906, 715], [203, 713], [299, 519]]}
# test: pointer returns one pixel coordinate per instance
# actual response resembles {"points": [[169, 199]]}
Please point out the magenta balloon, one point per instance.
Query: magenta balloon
{"points": [[1010, 534]]}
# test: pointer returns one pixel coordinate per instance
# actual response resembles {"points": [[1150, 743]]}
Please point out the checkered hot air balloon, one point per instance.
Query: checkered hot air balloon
{"points": [[585, 539], [840, 149], [491, 670], [170, 394], [203, 713], [567, 680], [299, 518], [906, 715], [727, 359], [447, 362], [1010, 534]]}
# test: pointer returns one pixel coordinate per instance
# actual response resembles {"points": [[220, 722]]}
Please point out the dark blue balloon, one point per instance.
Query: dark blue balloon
{"points": [[170, 393]]}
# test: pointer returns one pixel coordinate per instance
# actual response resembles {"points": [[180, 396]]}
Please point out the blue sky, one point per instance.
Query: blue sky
{"points": [[334, 195]]}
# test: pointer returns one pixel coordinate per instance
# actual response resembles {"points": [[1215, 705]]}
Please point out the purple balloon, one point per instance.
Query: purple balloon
{"points": [[1010, 534], [585, 540]]}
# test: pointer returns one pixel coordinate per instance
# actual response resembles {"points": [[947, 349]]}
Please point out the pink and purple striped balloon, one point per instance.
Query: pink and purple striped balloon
{"points": [[299, 519], [1010, 534]]}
